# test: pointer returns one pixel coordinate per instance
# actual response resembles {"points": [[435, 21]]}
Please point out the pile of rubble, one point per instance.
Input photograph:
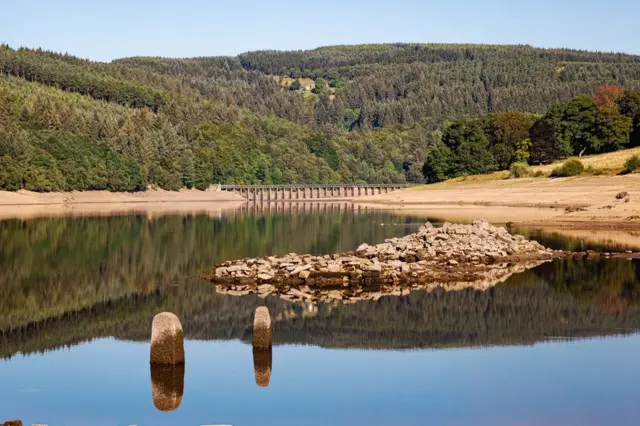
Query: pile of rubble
{"points": [[454, 255]]}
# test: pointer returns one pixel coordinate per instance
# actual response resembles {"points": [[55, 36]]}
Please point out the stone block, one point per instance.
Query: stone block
{"points": [[167, 340]]}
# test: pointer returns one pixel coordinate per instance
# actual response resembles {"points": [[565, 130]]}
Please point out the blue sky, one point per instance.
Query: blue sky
{"points": [[105, 30]]}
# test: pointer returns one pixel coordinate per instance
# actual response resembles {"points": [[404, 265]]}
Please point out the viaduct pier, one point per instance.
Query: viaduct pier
{"points": [[272, 193]]}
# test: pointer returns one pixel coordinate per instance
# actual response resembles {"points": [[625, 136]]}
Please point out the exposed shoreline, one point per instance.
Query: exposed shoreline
{"points": [[576, 203], [584, 203], [27, 204]]}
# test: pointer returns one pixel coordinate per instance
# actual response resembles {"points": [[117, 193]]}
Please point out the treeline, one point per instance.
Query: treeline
{"points": [[401, 84], [607, 121], [47, 70], [68, 123]]}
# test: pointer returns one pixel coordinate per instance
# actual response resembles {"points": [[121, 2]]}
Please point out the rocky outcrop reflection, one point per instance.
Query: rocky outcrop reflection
{"points": [[262, 358], [167, 386]]}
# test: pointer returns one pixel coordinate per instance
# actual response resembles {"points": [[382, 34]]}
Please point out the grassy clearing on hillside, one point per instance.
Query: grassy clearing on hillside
{"points": [[611, 163]]}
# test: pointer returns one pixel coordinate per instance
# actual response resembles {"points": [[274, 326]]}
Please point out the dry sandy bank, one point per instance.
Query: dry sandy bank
{"points": [[26, 204], [532, 202]]}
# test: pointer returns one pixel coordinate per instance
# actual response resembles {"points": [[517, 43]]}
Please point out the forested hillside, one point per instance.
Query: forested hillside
{"points": [[375, 114]]}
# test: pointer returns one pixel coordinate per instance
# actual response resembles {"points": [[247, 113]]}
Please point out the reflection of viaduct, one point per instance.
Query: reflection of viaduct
{"points": [[297, 207], [310, 192]]}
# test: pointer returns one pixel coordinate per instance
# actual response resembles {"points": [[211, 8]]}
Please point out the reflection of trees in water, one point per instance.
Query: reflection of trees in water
{"points": [[529, 307], [52, 266]]}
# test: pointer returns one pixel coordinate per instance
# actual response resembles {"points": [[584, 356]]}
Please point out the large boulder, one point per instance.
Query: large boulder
{"points": [[167, 340], [262, 328]]}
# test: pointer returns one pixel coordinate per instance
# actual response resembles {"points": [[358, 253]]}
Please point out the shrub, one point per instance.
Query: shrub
{"points": [[519, 170], [571, 167], [632, 164], [539, 173]]}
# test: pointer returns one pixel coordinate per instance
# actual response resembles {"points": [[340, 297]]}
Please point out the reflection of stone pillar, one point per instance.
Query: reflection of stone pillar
{"points": [[167, 386], [167, 339], [262, 358], [262, 328]]}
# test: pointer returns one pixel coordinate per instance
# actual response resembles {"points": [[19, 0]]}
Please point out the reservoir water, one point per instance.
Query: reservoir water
{"points": [[555, 345]]}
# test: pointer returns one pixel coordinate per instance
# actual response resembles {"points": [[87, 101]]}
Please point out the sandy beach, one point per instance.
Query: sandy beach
{"points": [[581, 202], [27, 204]]}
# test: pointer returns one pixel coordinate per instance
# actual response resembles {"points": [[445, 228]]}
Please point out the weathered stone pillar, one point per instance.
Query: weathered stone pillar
{"points": [[262, 358], [167, 386], [262, 328], [167, 340]]}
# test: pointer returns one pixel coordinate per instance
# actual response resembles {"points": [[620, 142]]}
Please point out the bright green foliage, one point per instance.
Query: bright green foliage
{"points": [[437, 164], [571, 167], [507, 131], [632, 164], [321, 86], [519, 170], [629, 104], [295, 85], [522, 151]]}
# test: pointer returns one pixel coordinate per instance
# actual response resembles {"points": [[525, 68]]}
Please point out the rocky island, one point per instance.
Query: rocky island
{"points": [[453, 256]]}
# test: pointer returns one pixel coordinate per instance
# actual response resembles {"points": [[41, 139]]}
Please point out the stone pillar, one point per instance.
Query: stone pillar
{"points": [[167, 340], [262, 328]]}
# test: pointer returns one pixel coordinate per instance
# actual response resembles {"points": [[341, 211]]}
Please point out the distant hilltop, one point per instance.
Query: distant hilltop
{"points": [[337, 114]]}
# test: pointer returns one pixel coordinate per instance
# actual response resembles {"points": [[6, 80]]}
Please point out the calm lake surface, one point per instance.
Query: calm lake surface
{"points": [[555, 345]]}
